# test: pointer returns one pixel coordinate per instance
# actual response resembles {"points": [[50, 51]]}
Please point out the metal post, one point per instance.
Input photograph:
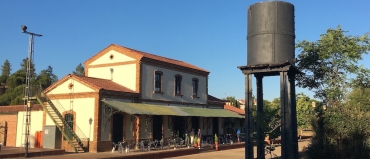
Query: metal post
{"points": [[293, 111], [286, 125], [28, 88], [260, 132], [283, 124], [249, 154], [28, 79]]}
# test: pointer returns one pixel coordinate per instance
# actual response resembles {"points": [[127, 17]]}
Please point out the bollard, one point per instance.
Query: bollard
{"points": [[0, 146]]}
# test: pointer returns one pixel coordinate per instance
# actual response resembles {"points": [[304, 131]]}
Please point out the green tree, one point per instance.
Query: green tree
{"points": [[80, 70], [304, 110], [6, 68], [24, 65], [269, 121], [5, 71], [332, 70], [3, 78], [46, 77], [330, 62], [16, 79], [233, 101]]}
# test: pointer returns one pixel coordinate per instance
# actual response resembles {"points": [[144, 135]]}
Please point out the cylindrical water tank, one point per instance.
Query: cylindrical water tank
{"points": [[271, 36]]}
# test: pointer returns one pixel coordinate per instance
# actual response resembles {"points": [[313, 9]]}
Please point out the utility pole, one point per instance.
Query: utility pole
{"points": [[28, 91]]}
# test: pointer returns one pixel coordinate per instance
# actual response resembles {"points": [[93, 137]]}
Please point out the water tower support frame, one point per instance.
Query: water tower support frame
{"points": [[289, 140]]}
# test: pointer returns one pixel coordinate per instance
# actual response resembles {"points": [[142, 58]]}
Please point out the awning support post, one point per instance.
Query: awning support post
{"points": [[188, 123], [170, 120], [147, 122], [207, 121], [110, 110]]}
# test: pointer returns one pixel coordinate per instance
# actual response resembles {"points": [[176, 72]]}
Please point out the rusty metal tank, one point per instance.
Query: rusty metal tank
{"points": [[270, 33]]}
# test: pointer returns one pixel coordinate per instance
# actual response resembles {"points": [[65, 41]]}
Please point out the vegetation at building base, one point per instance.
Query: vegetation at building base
{"points": [[305, 111], [12, 84], [333, 74]]}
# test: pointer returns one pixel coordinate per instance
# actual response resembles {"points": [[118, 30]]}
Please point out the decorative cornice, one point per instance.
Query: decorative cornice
{"points": [[119, 95], [171, 102], [113, 64], [72, 95]]}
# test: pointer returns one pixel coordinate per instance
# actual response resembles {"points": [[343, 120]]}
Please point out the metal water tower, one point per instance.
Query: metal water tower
{"points": [[271, 44]]}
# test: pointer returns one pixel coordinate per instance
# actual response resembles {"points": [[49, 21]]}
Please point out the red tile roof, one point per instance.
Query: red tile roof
{"points": [[94, 83], [163, 59], [17, 108], [139, 55], [234, 109]]}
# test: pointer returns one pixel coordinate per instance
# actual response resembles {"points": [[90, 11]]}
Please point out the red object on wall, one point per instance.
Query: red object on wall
{"points": [[38, 139]]}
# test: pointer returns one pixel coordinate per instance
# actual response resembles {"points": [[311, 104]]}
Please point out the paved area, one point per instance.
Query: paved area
{"points": [[8, 151], [226, 154], [238, 153]]}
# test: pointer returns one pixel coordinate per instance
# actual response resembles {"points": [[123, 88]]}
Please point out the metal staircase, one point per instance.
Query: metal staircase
{"points": [[73, 138]]}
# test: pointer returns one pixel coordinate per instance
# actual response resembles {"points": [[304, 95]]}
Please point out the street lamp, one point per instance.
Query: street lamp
{"points": [[28, 89], [90, 122]]}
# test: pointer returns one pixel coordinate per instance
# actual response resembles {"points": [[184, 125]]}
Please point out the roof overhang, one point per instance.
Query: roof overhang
{"points": [[151, 109]]}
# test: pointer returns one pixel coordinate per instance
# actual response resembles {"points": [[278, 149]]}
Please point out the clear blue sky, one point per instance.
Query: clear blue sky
{"points": [[208, 33]]}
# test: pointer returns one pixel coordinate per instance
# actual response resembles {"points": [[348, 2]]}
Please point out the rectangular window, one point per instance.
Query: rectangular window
{"points": [[158, 82], [178, 85], [195, 88]]}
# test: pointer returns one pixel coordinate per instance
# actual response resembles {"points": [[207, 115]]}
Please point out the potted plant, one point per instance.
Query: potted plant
{"points": [[216, 142], [195, 141]]}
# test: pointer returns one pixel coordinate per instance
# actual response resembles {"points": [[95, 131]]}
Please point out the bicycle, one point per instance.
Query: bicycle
{"points": [[269, 150], [119, 146]]}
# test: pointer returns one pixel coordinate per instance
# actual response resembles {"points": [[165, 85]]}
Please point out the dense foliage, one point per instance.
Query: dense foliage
{"points": [[16, 82], [333, 73]]}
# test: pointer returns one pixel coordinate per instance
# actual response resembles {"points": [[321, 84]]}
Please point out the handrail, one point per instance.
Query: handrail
{"points": [[77, 130], [76, 134], [59, 126]]}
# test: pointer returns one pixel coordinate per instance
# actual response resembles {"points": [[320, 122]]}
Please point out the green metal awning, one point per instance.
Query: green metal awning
{"points": [[207, 112], [139, 108], [151, 109]]}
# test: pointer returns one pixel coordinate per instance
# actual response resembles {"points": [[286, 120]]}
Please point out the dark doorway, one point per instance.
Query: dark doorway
{"points": [[195, 123], [179, 126], [117, 134], [215, 126], [157, 127]]}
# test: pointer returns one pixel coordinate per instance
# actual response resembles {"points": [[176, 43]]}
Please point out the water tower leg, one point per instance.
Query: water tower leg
{"points": [[293, 110], [260, 132], [286, 126], [249, 154]]}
